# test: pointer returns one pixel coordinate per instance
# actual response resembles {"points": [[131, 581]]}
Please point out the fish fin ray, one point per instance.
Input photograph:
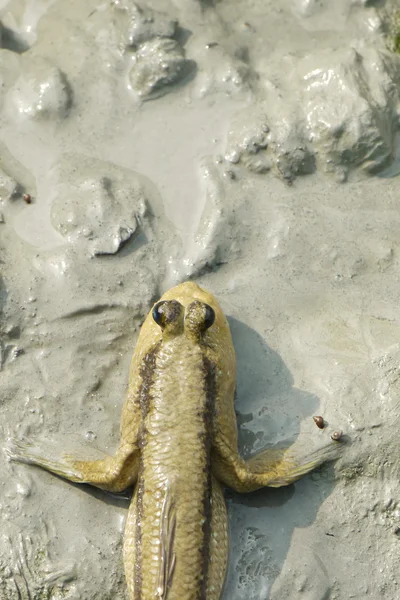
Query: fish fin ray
{"points": [[167, 554]]}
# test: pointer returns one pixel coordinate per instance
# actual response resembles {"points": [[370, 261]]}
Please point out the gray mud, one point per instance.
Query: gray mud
{"points": [[255, 148]]}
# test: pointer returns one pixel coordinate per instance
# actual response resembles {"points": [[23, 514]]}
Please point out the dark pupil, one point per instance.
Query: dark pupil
{"points": [[159, 313], [209, 317]]}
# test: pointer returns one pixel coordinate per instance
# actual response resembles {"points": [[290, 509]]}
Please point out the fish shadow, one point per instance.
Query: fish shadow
{"points": [[269, 411]]}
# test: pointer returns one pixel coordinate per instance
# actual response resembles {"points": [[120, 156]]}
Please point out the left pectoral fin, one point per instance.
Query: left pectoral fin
{"points": [[111, 473]]}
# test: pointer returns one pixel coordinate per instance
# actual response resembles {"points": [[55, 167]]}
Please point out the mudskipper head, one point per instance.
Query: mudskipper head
{"points": [[188, 310]]}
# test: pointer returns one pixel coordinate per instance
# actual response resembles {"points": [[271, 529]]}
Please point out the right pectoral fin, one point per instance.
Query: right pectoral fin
{"points": [[271, 467]]}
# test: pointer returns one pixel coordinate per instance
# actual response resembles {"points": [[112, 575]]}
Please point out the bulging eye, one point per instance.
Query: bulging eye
{"points": [[167, 312], [199, 317], [209, 316]]}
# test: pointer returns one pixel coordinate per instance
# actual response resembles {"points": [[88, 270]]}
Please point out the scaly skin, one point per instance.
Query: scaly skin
{"points": [[178, 445]]}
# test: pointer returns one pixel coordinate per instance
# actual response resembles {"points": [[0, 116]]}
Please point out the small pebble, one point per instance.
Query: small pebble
{"points": [[319, 421]]}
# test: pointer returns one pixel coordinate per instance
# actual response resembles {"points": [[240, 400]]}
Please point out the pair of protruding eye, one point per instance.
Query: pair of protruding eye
{"points": [[198, 315]]}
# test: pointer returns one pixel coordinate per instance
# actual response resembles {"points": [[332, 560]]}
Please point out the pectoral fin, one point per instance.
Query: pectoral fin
{"points": [[112, 473], [271, 467]]}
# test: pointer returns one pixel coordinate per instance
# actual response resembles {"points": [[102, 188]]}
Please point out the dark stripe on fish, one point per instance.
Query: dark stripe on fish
{"points": [[147, 374], [210, 385]]}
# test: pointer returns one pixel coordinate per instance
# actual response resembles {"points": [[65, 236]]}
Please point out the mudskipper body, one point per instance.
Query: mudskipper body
{"points": [[178, 447]]}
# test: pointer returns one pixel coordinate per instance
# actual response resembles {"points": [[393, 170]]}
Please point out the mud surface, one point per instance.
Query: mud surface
{"points": [[255, 148]]}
